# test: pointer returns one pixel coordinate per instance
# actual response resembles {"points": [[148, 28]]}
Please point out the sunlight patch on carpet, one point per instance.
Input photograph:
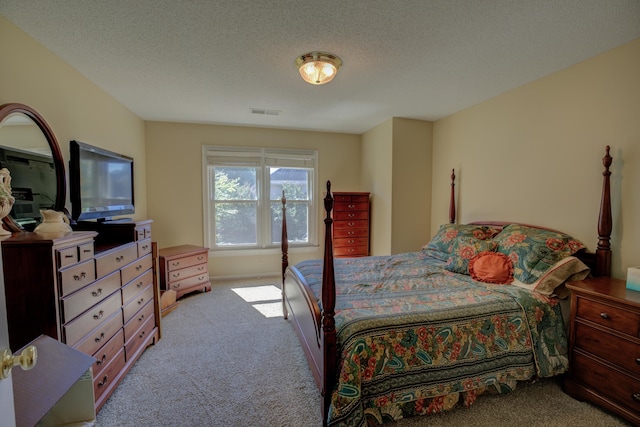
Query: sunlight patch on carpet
{"points": [[268, 296]]}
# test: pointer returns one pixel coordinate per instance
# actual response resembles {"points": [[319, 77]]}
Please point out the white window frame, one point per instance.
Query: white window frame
{"points": [[262, 158]]}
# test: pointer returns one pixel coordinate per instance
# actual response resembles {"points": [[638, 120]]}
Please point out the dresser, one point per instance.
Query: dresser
{"points": [[604, 346], [93, 290], [350, 214], [184, 269]]}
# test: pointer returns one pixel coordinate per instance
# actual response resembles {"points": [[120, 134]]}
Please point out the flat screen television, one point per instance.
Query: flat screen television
{"points": [[33, 184], [100, 183]]}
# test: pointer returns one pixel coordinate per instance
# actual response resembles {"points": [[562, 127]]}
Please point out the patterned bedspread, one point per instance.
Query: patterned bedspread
{"points": [[414, 338]]}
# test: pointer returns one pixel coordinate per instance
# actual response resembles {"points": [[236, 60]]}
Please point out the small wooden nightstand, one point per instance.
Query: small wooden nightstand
{"points": [[604, 346], [184, 269]]}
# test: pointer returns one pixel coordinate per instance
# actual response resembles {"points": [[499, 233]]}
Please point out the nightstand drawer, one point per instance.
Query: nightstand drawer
{"points": [[187, 261], [616, 318], [616, 350], [622, 388]]}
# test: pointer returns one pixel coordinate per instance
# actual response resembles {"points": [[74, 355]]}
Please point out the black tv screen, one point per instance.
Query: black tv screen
{"points": [[101, 183]]}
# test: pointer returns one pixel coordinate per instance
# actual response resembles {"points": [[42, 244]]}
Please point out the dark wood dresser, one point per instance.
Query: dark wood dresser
{"points": [[184, 269], [604, 346], [351, 213], [93, 290]]}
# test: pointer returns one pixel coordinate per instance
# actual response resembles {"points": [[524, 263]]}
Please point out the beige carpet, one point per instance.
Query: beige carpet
{"points": [[227, 358]]}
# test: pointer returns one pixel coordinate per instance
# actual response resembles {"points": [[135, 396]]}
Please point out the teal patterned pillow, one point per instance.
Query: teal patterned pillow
{"points": [[441, 245], [534, 251], [464, 249]]}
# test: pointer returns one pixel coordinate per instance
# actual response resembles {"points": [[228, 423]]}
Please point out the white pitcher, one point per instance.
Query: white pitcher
{"points": [[53, 222]]}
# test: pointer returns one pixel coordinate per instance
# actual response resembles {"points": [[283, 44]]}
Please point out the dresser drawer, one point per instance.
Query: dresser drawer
{"points": [[91, 343], [67, 256], [339, 232], [91, 319], [133, 288], [113, 260], [355, 224], [350, 215], [143, 232], [616, 318], [188, 261], [136, 321], [132, 345], [108, 375], [351, 207], [107, 353], [346, 198], [351, 242], [348, 251], [184, 273], [134, 305], [77, 276], [136, 268], [86, 251], [82, 300], [608, 382], [144, 247]]}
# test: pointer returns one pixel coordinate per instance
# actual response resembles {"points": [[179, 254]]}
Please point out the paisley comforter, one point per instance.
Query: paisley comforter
{"points": [[415, 339]]}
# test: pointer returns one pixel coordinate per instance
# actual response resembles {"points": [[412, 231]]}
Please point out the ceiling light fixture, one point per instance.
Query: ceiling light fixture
{"points": [[318, 68]]}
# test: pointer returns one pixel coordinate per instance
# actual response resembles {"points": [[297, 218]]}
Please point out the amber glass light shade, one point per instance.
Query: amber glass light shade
{"points": [[318, 68]]}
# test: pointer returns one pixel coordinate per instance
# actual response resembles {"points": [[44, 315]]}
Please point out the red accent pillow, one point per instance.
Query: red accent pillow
{"points": [[491, 267]]}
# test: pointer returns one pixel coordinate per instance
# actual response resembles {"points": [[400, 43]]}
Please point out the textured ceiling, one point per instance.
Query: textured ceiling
{"points": [[203, 61]]}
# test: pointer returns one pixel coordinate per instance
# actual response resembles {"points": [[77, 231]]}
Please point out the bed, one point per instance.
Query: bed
{"points": [[476, 310]]}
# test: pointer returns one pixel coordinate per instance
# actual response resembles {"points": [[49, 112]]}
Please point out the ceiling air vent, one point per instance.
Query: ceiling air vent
{"points": [[265, 111]]}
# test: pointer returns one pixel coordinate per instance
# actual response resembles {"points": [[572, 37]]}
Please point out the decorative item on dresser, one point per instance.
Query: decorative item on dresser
{"points": [[99, 298], [604, 345], [184, 269], [351, 224]]}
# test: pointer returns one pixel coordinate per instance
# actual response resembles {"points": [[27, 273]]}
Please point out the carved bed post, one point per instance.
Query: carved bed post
{"points": [[452, 199], [328, 310], [284, 244], [603, 250]]}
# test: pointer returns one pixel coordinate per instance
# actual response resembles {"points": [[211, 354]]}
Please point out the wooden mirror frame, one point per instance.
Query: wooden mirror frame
{"points": [[56, 154]]}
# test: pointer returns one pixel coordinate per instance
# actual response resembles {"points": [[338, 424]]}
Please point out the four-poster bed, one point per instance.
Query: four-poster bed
{"points": [[409, 334]]}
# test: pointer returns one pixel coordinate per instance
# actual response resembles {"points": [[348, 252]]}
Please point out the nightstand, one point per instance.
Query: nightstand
{"points": [[604, 346]]}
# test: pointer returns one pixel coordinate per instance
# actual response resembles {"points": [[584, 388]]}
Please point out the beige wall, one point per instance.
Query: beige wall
{"points": [[377, 171], [73, 106], [174, 155], [534, 154], [411, 188], [396, 169]]}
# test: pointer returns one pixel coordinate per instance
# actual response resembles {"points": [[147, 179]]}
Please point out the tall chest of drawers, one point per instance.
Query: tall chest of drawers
{"points": [[95, 291], [184, 269], [604, 346], [350, 224]]}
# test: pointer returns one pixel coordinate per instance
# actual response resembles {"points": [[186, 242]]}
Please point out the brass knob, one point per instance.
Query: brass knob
{"points": [[27, 360]]}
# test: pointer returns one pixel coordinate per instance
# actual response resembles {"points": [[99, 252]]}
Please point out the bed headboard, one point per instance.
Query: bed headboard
{"points": [[599, 261]]}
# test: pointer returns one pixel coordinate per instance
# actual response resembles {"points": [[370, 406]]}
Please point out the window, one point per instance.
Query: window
{"points": [[243, 205]]}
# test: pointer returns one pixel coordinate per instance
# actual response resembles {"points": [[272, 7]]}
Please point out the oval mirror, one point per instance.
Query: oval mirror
{"points": [[30, 151]]}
